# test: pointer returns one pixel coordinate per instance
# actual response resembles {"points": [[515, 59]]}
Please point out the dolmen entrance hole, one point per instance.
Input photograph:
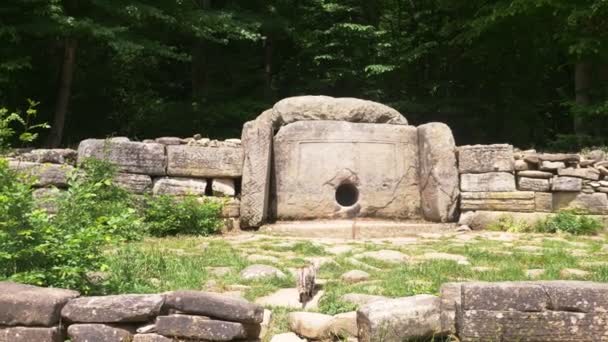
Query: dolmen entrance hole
{"points": [[347, 194]]}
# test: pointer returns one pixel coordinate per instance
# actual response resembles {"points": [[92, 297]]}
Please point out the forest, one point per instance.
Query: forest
{"points": [[530, 72]]}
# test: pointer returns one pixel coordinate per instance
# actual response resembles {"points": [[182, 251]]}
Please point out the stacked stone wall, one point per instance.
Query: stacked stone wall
{"points": [[30, 313]]}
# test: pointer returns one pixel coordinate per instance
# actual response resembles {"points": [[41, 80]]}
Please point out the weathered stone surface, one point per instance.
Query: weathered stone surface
{"points": [[485, 158], [315, 108], [231, 208], [459, 259], [355, 276], [214, 305], [343, 325], [257, 138], [360, 299], [255, 272], [313, 160], [577, 296], [493, 181], [552, 166], [54, 156], [500, 201], [31, 305], [310, 325], [46, 198], [134, 183], [130, 157], [179, 186], [386, 255], [567, 184], [197, 327], [584, 173], [399, 319], [521, 165], [439, 187], [223, 187], [543, 202], [450, 297], [169, 140], [533, 184], [535, 174], [481, 219], [99, 333], [29, 334], [44, 174], [504, 296], [199, 161], [286, 337], [596, 203], [151, 338], [113, 309], [559, 157]]}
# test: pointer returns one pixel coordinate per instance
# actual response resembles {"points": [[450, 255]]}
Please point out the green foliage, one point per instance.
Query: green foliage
{"points": [[26, 128], [59, 250], [165, 215], [507, 223], [569, 221]]}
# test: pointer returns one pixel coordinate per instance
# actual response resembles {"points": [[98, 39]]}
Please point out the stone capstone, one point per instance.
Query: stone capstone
{"points": [[439, 188], [199, 161], [44, 174], [399, 319], [498, 201], [99, 333], [27, 334], [485, 158], [113, 309], [31, 305], [214, 305], [484, 182], [202, 328], [130, 157], [179, 187]]}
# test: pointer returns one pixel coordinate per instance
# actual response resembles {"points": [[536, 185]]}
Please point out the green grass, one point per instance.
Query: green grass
{"points": [[158, 265]]}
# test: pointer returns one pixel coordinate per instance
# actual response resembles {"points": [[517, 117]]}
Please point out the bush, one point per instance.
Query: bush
{"points": [[165, 215], [507, 223], [59, 250], [569, 221]]}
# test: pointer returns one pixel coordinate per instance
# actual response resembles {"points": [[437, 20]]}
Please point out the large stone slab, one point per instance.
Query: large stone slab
{"points": [[151, 338], [215, 305], [492, 181], [202, 328], [439, 183], [596, 203], [257, 138], [485, 158], [584, 173], [535, 174], [328, 169], [451, 298], [113, 309], [543, 201], [134, 183], [99, 333], [44, 174], [504, 296], [31, 305], [498, 201], [29, 334], [198, 161], [179, 186], [567, 184], [310, 325], [533, 184], [400, 319], [128, 156], [577, 296], [54, 156]]}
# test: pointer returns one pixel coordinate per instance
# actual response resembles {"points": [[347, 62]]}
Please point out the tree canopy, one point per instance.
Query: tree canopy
{"points": [[534, 73]]}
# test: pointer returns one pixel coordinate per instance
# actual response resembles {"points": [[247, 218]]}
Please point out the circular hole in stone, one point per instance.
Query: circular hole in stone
{"points": [[347, 194]]}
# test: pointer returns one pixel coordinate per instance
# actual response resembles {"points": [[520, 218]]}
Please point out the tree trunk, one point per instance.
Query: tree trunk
{"points": [[63, 95], [582, 86], [199, 62]]}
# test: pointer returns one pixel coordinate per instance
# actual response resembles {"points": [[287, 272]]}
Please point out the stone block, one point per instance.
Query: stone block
{"points": [[483, 182], [567, 184], [113, 309], [44, 174], [596, 203], [29, 334], [169, 140], [400, 319], [202, 328], [129, 157], [485, 158], [551, 165], [500, 201], [53, 156], [231, 208], [533, 184], [439, 186], [521, 165], [179, 186], [223, 187], [584, 173], [543, 202], [328, 169], [134, 183], [311, 325], [451, 298], [200, 161], [535, 174], [215, 306], [99, 333], [504, 296], [151, 338], [31, 305]]}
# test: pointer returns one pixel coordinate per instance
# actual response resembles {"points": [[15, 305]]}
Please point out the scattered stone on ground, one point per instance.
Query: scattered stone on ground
{"points": [[219, 271], [459, 259], [386, 255], [319, 262], [535, 273], [573, 273], [343, 325], [255, 272], [289, 298], [483, 269], [310, 325], [262, 258], [355, 276], [360, 299]]}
